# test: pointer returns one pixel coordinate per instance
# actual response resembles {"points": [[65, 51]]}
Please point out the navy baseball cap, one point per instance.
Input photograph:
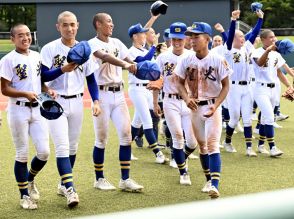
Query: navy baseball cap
{"points": [[177, 30], [255, 6], [285, 46], [165, 34], [199, 27], [137, 28]]}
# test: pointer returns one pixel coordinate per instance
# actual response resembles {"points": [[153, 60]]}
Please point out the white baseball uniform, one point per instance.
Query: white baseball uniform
{"points": [[65, 130], [111, 94], [141, 97], [265, 93], [25, 75], [176, 112], [204, 77]]}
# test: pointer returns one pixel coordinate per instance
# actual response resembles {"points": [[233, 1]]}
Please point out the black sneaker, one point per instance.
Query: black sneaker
{"points": [[139, 141]]}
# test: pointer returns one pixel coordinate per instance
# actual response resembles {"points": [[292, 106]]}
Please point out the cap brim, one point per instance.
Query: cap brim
{"points": [[176, 36], [190, 32]]}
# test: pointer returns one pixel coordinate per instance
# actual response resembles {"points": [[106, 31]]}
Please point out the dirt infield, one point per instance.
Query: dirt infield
{"points": [[87, 100]]}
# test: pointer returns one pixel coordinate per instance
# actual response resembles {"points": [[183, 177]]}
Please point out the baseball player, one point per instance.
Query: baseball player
{"points": [[208, 82], [239, 97], [113, 104], [139, 94], [268, 63], [216, 41], [21, 82], [177, 114], [68, 81]]}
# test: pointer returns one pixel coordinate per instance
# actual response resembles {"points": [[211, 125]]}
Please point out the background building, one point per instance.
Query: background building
{"points": [[124, 14]]}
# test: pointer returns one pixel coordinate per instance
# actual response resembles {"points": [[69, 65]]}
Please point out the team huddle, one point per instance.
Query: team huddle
{"points": [[201, 85]]}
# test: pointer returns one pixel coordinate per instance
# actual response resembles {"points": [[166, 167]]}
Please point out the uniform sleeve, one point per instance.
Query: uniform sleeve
{"points": [[91, 66], [123, 50], [281, 61], [159, 63], [131, 54], [93, 45], [6, 69], [181, 68], [46, 57], [256, 54]]}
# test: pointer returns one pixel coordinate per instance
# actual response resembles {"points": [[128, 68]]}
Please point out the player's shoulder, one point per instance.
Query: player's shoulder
{"points": [[51, 45]]}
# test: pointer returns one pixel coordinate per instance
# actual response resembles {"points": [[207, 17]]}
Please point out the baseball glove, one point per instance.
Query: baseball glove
{"points": [[155, 85], [289, 94]]}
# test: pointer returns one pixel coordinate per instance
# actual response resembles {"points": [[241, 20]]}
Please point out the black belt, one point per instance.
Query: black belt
{"points": [[140, 84], [177, 96], [28, 104], [240, 82], [270, 85], [72, 96], [113, 89], [205, 102]]}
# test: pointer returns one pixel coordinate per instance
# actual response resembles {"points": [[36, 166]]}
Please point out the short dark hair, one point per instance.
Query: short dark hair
{"points": [[12, 29], [265, 33], [98, 17]]}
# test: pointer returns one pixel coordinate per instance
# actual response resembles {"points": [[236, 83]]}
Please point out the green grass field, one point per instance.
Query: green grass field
{"points": [[240, 175]]}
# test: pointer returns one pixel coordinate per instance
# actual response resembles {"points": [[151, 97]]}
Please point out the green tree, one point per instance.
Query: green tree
{"points": [[278, 13], [12, 14]]}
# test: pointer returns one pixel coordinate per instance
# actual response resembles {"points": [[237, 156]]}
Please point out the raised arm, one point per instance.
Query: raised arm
{"points": [[231, 35], [257, 27]]}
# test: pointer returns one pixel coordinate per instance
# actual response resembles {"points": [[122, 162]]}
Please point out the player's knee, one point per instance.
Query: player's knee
{"points": [[233, 123], [192, 145], [43, 155], [213, 148], [203, 150]]}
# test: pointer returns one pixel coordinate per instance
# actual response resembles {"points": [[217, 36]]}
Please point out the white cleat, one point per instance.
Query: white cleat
{"points": [[160, 158], [254, 117], [282, 117], [103, 184], [229, 147], [185, 179], [130, 185], [72, 197], [262, 150], [213, 192], [275, 152], [27, 203], [193, 156], [61, 190], [173, 164], [133, 157], [33, 191], [277, 126], [250, 152], [207, 186]]}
